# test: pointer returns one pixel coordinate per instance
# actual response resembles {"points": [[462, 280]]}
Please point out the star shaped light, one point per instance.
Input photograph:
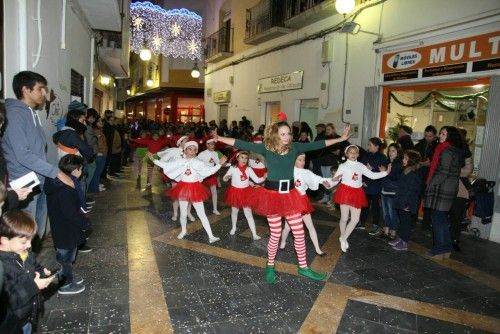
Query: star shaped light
{"points": [[138, 22], [157, 42], [175, 29], [193, 47]]}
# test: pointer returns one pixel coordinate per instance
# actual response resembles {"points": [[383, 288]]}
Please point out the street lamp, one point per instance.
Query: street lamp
{"points": [[195, 72], [344, 6], [145, 54]]}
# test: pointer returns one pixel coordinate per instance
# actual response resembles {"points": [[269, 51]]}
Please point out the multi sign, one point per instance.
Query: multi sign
{"points": [[281, 82], [453, 57]]}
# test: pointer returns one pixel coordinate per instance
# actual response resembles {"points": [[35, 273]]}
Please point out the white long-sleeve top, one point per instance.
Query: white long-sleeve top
{"points": [[170, 154], [238, 180], [305, 179], [187, 170], [352, 171], [210, 157]]}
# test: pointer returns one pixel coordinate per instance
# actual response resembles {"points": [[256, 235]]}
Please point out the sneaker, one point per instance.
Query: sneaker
{"points": [[90, 201], [375, 231], [360, 227], [401, 246], [213, 239], [343, 245], [84, 249], [71, 289], [77, 279], [394, 242], [102, 188], [216, 212]]}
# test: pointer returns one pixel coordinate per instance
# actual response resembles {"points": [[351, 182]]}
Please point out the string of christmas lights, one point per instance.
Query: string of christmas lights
{"points": [[175, 32]]}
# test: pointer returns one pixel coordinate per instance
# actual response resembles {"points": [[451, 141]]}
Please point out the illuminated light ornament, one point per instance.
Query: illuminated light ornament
{"points": [[176, 32], [175, 29], [344, 6]]}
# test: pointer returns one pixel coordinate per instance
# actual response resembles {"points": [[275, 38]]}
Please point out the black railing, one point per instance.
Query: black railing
{"points": [[297, 7], [265, 15], [219, 42]]}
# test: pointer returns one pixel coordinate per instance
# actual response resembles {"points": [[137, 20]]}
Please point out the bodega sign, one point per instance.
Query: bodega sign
{"points": [[281, 82], [472, 54]]}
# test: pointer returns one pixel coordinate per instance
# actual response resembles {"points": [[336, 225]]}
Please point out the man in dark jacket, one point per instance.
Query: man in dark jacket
{"points": [[405, 138]]}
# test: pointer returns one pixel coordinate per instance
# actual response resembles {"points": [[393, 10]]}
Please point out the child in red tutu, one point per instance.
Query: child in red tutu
{"points": [[211, 157], [172, 154], [240, 195], [189, 172], [350, 194], [279, 197], [305, 179]]}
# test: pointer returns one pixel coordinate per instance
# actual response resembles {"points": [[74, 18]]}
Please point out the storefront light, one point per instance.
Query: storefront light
{"points": [[105, 80], [145, 54], [344, 6]]}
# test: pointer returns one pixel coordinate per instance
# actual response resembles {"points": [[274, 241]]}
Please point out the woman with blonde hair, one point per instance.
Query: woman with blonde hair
{"points": [[279, 198]]}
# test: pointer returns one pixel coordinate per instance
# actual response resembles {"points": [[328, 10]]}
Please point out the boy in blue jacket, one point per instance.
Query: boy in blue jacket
{"points": [[68, 223]]}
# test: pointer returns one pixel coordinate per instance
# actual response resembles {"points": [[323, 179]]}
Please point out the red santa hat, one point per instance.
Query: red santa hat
{"points": [[191, 143], [258, 139]]}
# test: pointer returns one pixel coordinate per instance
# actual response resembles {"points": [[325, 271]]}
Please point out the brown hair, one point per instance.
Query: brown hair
{"points": [[413, 161], [17, 223], [272, 141]]}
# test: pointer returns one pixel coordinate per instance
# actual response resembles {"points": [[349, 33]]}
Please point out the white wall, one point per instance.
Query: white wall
{"points": [[394, 19], [54, 63]]}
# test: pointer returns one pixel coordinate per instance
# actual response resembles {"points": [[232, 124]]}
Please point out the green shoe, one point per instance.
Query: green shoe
{"points": [[270, 274], [308, 272]]}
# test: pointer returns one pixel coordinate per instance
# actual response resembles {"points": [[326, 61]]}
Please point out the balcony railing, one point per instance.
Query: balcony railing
{"points": [[265, 21], [300, 13], [219, 45]]}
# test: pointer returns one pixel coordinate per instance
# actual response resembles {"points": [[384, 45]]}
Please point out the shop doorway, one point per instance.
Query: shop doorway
{"points": [[223, 112], [272, 111], [309, 113], [460, 104]]}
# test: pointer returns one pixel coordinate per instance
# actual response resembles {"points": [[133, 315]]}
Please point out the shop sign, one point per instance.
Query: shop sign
{"points": [[447, 58], [280, 82], [224, 96]]}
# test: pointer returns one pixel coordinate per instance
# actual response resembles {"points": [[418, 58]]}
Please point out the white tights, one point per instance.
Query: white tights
{"points": [[200, 211], [249, 216], [345, 228], [310, 228], [213, 190]]}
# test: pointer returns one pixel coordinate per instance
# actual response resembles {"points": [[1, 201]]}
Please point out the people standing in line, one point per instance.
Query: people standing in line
{"points": [[189, 172], [373, 159], [25, 144], [240, 195], [460, 204], [100, 160], [68, 223], [279, 198], [426, 147], [350, 194], [211, 157], [442, 188], [407, 198], [304, 180], [404, 138], [389, 188], [114, 143]]}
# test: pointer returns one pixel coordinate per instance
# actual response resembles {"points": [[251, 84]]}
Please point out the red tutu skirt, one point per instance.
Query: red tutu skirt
{"points": [[354, 197], [189, 191], [210, 181], [307, 204], [260, 172], [240, 197], [271, 202]]}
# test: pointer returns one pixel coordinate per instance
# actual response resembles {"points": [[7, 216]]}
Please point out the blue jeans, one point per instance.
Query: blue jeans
{"points": [[27, 328], [91, 168], [66, 257], [100, 161], [391, 218], [441, 232], [374, 207], [37, 207]]}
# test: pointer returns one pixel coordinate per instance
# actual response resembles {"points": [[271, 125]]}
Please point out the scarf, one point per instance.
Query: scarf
{"points": [[435, 160], [243, 170]]}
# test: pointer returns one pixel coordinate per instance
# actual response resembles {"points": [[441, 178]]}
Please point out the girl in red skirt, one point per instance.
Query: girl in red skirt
{"points": [[305, 179], [279, 198], [211, 157], [240, 195], [350, 194], [189, 172]]}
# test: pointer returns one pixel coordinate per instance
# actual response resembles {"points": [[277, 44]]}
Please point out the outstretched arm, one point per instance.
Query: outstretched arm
{"points": [[225, 140], [345, 135]]}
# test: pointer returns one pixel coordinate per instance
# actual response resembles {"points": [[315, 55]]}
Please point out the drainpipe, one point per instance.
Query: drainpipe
{"points": [[38, 19], [91, 74], [23, 35]]}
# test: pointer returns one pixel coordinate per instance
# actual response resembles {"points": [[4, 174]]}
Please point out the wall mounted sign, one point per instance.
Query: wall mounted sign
{"points": [[466, 55], [280, 82], [224, 96]]}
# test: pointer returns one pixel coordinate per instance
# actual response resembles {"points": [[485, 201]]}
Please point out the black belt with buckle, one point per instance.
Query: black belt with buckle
{"points": [[283, 186]]}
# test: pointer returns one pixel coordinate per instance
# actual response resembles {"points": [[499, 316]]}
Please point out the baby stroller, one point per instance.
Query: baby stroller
{"points": [[482, 201]]}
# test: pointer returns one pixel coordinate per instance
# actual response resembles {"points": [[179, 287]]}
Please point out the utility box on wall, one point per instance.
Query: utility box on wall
{"points": [[327, 51]]}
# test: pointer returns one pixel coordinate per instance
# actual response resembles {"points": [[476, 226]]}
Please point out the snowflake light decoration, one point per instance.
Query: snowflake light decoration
{"points": [[175, 32]]}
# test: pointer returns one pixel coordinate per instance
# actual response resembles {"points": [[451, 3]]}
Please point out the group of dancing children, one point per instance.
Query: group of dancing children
{"points": [[282, 191]]}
